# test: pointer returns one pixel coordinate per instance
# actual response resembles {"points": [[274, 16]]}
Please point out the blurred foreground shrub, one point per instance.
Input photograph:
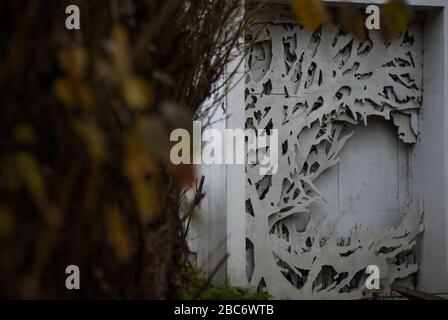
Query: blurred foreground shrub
{"points": [[85, 176]]}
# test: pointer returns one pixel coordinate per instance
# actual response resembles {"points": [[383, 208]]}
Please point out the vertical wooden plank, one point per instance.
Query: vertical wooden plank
{"points": [[236, 216], [217, 209], [200, 223], [235, 188], [430, 160]]}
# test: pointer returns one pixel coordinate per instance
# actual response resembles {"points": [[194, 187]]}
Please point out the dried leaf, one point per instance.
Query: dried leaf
{"points": [[105, 71], [93, 137], [137, 93], [310, 13], [147, 198], [63, 91], [74, 62], [118, 233], [120, 52], [352, 21], [395, 18], [31, 176], [138, 162]]}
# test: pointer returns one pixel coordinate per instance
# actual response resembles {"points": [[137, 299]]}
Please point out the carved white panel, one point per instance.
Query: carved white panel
{"points": [[316, 89]]}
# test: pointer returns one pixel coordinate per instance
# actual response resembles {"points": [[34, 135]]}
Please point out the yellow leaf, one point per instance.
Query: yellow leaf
{"points": [[310, 13], [31, 176], [147, 198], [352, 21], [395, 17], [74, 62], [93, 137], [118, 234], [138, 163], [105, 71], [120, 52], [63, 91], [137, 93]]}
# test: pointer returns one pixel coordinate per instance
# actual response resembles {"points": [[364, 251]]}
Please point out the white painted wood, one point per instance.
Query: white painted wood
{"points": [[368, 170], [235, 195], [367, 186], [430, 156], [428, 166], [220, 225], [322, 91], [208, 235]]}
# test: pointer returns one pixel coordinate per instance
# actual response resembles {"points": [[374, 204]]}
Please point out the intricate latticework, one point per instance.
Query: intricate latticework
{"points": [[315, 88]]}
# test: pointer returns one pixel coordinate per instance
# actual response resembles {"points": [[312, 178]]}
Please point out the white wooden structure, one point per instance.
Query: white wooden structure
{"points": [[364, 163]]}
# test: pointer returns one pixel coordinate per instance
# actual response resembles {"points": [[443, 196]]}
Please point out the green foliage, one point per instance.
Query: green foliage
{"points": [[194, 284]]}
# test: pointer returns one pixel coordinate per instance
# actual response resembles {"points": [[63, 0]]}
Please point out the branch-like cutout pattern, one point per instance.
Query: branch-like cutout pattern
{"points": [[315, 88]]}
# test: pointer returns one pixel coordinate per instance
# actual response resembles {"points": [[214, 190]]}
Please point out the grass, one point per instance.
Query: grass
{"points": [[194, 285]]}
